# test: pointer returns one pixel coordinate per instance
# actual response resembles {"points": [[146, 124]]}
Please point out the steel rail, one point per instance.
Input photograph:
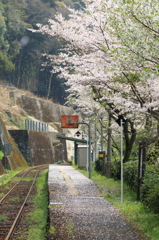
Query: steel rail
{"points": [[6, 195], [21, 209]]}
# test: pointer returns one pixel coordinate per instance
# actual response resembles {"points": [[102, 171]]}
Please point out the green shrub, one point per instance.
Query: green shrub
{"points": [[116, 169], [130, 173], [149, 188], [98, 165], [153, 199], [130, 170]]}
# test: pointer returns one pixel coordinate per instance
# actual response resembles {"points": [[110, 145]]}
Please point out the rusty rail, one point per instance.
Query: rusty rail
{"points": [[7, 194], [21, 209], [12, 208]]}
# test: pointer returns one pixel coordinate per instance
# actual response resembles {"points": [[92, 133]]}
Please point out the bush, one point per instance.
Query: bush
{"points": [[98, 165], [149, 188], [130, 171], [130, 174], [116, 169], [153, 199]]}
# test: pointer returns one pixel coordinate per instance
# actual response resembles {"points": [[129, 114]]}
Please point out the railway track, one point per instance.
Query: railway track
{"points": [[15, 200]]}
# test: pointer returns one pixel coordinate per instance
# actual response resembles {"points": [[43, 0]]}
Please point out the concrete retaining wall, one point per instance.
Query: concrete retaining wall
{"points": [[38, 147], [42, 110]]}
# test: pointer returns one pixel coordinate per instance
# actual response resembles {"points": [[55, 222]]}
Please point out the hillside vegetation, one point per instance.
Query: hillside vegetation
{"points": [[21, 51]]}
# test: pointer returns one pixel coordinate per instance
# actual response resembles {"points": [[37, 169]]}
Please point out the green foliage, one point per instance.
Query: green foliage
{"points": [[21, 64], [5, 63], [134, 77], [3, 218], [52, 3], [146, 220], [130, 173], [11, 25], [9, 174], [149, 194], [98, 165], [37, 219], [14, 199], [78, 4], [116, 169], [153, 199], [70, 228], [1, 154], [14, 48], [52, 230], [153, 155]]}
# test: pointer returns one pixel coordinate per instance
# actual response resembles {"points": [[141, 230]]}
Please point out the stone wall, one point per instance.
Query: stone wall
{"points": [[38, 148], [48, 112], [44, 111], [15, 159], [34, 148]]}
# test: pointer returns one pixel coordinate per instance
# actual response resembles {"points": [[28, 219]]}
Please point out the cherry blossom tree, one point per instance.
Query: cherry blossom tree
{"points": [[111, 55]]}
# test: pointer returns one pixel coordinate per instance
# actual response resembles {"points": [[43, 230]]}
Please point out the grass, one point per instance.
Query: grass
{"points": [[3, 218], [14, 199], [144, 220], [9, 174], [52, 230], [1, 154], [39, 216], [28, 179], [70, 228], [1, 194]]}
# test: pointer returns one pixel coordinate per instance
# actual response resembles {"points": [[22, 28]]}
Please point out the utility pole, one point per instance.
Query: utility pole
{"points": [[121, 157], [95, 138], [109, 148], [121, 121], [95, 153], [101, 133]]}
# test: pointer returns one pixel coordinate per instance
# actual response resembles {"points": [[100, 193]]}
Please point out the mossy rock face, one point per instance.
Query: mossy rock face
{"points": [[42, 110], [16, 159]]}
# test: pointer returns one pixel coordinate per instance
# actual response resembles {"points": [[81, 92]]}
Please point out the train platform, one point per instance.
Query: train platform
{"points": [[79, 212]]}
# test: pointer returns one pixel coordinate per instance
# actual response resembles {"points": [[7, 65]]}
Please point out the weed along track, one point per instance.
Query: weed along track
{"points": [[16, 201]]}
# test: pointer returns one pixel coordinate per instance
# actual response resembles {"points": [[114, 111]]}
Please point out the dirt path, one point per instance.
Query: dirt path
{"points": [[78, 211]]}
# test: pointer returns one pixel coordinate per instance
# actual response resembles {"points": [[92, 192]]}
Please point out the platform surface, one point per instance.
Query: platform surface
{"points": [[79, 212]]}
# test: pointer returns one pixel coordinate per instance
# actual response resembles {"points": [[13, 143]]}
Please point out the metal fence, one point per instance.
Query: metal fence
{"points": [[36, 126]]}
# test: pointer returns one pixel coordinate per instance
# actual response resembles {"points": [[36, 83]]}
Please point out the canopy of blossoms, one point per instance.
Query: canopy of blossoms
{"points": [[110, 55]]}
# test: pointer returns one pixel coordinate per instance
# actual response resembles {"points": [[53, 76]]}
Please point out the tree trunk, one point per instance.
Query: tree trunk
{"points": [[19, 69], [109, 148], [49, 87], [129, 139]]}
